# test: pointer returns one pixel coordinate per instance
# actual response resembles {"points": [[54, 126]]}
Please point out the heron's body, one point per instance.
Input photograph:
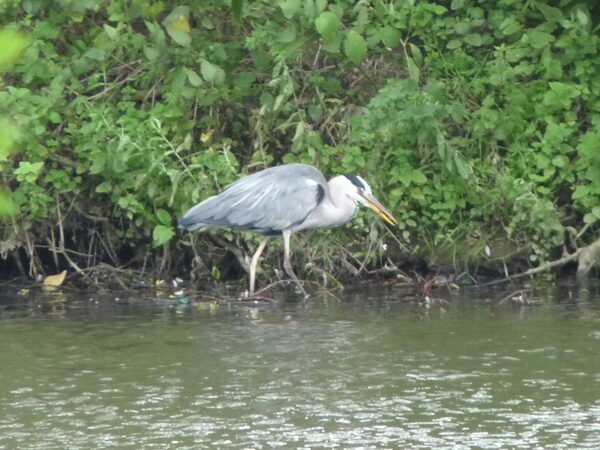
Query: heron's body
{"points": [[280, 201], [290, 197]]}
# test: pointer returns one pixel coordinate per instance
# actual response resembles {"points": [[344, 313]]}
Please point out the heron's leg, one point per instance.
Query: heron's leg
{"points": [[286, 261], [254, 263]]}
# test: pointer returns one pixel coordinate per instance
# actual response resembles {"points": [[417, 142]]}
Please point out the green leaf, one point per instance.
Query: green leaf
{"points": [[54, 117], [207, 23], [211, 72], [560, 95], [550, 13], [462, 27], [287, 35], [510, 25], [9, 134], [327, 25], [355, 47], [588, 144], [452, 44], [416, 54], [539, 39], [163, 217], [12, 44], [180, 37], [96, 54], [193, 77], [436, 9], [418, 177], [178, 26], [111, 32], [289, 7], [462, 167], [334, 45], [150, 52], [560, 161], [7, 206], [161, 235], [176, 14], [309, 9], [474, 39], [389, 36], [413, 71], [28, 172], [103, 188], [582, 17], [590, 218]]}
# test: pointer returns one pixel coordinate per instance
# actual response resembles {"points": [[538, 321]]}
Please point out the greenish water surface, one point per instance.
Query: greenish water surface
{"points": [[370, 370]]}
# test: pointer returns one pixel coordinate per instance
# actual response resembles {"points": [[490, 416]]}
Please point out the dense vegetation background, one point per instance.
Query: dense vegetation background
{"points": [[476, 122]]}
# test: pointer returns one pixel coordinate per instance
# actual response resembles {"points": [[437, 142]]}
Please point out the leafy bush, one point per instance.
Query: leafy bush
{"points": [[474, 120]]}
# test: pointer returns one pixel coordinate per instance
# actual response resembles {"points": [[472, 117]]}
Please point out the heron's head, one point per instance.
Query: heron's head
{"points": [[360, 191]]}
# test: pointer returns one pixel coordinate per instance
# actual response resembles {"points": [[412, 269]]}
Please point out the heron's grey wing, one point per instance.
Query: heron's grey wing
{"points": [[269, 201]]}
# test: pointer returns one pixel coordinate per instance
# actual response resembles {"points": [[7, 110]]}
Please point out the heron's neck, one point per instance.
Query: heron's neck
{"points": [[344, 207], [335, 209]]}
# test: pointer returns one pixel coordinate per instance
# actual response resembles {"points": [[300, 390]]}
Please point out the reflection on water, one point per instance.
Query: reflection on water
{"points": [[87, 370]]}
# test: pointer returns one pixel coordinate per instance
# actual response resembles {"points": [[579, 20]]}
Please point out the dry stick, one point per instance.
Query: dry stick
{"points": [[366, 259], [113, 271], [58, 249], [314, 65], [549, 265], [62, 245], [52, 242], [90, 248], [117, 84], [402, 246], [92, 217], [121, 283], [275, 283], [108, 246], [105, 224], [31, 250], [583, 230], [512, 294], [164, 260], [233, 249]]}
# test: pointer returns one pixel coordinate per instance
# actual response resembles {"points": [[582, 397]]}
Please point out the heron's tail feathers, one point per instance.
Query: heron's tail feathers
{"points": [[203, 215]]}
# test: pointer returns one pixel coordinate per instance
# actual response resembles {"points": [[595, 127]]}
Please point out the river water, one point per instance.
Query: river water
{"points": [[371, 369]]}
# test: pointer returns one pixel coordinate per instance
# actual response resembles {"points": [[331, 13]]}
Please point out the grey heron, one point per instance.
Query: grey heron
{"points": [[281, 200]]}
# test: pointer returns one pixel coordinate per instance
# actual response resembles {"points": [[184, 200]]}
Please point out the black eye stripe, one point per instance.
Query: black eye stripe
{"points": [[355, 180]]}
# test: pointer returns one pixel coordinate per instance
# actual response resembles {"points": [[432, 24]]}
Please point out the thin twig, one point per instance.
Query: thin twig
{"points": [[117, 83], [535, 270], [583, 230], [233, 249], [275, 283], [61, 241], [512, 294]]}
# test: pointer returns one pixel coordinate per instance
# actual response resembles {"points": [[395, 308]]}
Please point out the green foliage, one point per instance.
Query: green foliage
{"points": [[12, 44], [471, 119], [355, 47]]}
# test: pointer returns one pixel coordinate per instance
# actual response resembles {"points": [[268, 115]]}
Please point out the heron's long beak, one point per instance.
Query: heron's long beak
{"points": [[372, 203]]}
